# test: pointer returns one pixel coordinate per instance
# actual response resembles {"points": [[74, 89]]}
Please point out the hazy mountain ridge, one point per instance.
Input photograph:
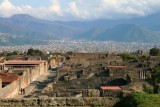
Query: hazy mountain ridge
{"points": [[7, 39], [144, 29], [30, 26], [126, 33]]}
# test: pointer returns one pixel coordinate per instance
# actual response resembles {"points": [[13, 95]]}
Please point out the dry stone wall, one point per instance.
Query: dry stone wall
{"points": [[59, 101]]}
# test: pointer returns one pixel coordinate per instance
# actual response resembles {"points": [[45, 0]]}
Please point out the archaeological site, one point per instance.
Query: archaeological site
{"points": [[75, 79]]}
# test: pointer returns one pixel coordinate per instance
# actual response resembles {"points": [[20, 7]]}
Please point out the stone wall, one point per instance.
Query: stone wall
{"points": [[52, 63], [13, 88], [59, 101], [70, 93], [88, 55], [28, 75], [10, 90], [43, 67], [34, 73], [114, 60], [74, 60]]}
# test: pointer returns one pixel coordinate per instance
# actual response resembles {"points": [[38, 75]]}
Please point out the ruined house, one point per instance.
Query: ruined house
{"points": [[17, 74]]}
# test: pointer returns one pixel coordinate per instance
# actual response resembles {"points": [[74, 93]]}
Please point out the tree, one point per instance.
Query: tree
{"points": [[155, 52], [34, 52], [15, 53], [157, 75]]}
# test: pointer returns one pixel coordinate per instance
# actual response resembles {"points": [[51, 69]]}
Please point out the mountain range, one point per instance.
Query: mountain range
{"points": [[30, 30]]}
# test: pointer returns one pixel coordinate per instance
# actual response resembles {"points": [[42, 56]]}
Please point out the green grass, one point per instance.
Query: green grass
{"points": [[140, 100]]}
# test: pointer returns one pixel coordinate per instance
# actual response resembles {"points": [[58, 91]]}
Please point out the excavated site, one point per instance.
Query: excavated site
{"points": [[91, 79]]}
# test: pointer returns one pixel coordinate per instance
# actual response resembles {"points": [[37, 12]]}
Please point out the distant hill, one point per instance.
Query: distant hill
{"points": [[150, 22], [10, 40], [142, 29], [26, 25], [122, 33]]}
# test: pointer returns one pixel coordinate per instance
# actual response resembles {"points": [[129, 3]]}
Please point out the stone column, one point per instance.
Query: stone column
{"points": [[144, 74], [140, 74]]}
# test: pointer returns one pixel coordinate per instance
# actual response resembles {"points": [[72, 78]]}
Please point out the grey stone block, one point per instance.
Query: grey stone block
{"points": [[73, 101]]}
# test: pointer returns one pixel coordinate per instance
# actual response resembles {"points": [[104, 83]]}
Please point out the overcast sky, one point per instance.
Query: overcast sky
{"points": [[79, 9]]}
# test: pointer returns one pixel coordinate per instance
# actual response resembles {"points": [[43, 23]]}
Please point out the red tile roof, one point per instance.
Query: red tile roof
{"points": [[27, 62], [111, 88], [8, 77], [116, 66]]}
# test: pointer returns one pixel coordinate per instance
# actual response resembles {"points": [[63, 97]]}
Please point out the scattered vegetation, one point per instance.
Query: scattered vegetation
{"points": [[127, 56], [10, 55], [148, 89]]}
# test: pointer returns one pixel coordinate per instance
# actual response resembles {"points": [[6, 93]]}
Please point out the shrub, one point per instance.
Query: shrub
{"points": [[140, 100]]}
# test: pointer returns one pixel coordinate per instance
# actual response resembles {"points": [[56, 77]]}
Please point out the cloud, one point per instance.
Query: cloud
{"points": [[130, 7], [55, 7], [7, 9], [6, 5], [75, 11], [112, 9], [84, 9]]}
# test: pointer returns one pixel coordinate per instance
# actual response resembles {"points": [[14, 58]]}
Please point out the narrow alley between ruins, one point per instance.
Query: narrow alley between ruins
{"points": [[38, 85]]}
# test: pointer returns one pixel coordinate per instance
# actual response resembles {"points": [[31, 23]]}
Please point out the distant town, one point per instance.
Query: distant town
{"points": [[83, 46]]}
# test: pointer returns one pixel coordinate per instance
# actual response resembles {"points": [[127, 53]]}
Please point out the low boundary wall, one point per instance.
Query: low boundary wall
{"points": [[59, 101]]}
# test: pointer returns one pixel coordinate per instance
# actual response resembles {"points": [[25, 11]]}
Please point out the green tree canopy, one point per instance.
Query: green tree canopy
{"points": [[155, 52], [34, 52]]}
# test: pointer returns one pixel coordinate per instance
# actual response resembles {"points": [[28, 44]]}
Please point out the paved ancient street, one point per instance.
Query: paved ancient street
{"points": [[37, 85]]}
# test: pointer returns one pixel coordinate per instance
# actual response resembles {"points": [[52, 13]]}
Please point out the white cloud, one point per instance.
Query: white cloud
{"points": [[7, 9], [129, 7], [84, 9], [6, 5], [55, 7], [73, 9], [76, 11]]}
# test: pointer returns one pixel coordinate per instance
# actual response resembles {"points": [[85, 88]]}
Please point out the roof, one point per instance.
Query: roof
{"points": [[111, 88], [116, 66], [23, 62], [8, 77]]}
